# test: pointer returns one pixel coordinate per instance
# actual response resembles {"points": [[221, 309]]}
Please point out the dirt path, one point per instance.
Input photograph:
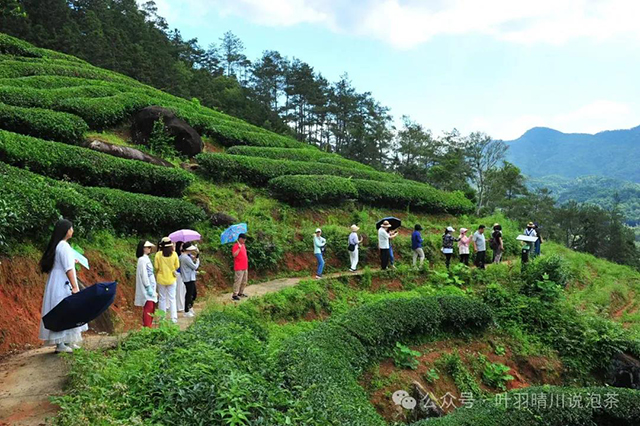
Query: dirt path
{"points": [[28, 379]]}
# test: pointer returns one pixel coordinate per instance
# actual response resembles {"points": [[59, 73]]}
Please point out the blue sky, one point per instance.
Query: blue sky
{"points": [[496, 66]]}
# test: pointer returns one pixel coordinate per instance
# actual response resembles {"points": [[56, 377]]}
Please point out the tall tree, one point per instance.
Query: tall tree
{"points": [[232, 49], [268, 78], [483, 155]]}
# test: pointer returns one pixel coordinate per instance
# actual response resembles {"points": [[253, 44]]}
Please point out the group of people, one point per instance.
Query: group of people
{"points": [[169, 282], [478, 240]]}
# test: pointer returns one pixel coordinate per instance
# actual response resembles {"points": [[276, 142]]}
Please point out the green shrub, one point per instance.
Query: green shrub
{"points": [[33, 203], [497, 375], [49, 98], [140, 213], [337, 351], [405, 357], [90, 168], [101, 113], [462, 377], [554, 267], [413, 195], [300, 190], [258, 171], [16, 68], [299, 154], [42, 123]]}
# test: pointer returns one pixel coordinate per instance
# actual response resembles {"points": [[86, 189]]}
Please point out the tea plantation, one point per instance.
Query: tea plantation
{"points": [[326, 352]]}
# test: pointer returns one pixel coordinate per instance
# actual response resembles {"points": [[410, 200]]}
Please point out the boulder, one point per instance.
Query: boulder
{"points": [[187, 140], [222, 219], [125, 152], [624, 371]]}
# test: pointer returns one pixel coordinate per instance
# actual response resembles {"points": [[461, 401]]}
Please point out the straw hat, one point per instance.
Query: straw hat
{"points": [[530, 225], [166, 242], [149, 244], [385, 224], [355, 228]]}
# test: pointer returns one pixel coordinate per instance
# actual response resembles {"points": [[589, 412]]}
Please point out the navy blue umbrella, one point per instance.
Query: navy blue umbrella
{"points": [[81, 307], [393, 221]]}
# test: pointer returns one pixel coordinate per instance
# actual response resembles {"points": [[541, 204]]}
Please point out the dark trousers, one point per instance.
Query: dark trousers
{"points": [[447, 259], [480, 258], [464, 258], [190, 296], [384, 258]]}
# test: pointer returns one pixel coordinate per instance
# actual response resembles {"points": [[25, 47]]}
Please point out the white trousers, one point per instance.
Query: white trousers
{"points": [[353, 255], [167, 300], [418, 253]]}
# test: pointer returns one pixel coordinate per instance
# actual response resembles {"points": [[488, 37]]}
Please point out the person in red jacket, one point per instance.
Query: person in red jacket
{"points": [[240, 266]]}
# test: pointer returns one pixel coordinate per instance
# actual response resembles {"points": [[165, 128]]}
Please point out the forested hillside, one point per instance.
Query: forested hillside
{"points": [[599, 190], [542, 151]]}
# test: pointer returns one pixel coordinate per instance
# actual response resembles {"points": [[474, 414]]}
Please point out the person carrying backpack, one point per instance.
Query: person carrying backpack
{"points": [[354, 243], [447, 244], [496, 243]]}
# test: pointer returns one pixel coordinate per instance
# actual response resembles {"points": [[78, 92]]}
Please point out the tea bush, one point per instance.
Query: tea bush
{"points": [[554, 267], [296, 154], [48, 98], [258, 171], [336, 352], [412, 195], [91, 168], [36, 202], [42, 123], [300, 190]]}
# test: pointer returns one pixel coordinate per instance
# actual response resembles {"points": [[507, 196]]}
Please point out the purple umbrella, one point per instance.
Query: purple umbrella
{"points": [[185, 235]]}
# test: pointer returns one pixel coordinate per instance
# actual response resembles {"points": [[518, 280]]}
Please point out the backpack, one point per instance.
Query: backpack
{"points": [[493, 241]]}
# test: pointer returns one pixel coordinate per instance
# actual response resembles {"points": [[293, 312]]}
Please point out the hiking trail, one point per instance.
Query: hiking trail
{"points": [[29, 378]]}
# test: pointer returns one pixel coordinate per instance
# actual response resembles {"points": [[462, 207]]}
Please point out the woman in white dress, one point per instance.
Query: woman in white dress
{"points": [[146, 287], [59, 262]]}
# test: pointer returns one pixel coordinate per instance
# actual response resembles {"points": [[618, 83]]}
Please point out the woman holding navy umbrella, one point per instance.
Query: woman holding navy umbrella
{"points": [[59, 262]]}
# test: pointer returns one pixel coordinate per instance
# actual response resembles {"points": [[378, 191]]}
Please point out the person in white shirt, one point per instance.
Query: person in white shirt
{"points": [[146, 287], [189, 264], [479, 246], [354, 243], [383, 243]]}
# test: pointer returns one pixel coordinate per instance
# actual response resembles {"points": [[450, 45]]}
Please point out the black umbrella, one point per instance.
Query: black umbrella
{"points": [[393, 221], [81, 307]]}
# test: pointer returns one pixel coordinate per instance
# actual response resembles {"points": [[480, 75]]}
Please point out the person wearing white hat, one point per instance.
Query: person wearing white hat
{"points": [[319, 245], [189, 264], [146, 294], [447, 244], [463, 246], [166, 264], [354, 243], [384, 238]]}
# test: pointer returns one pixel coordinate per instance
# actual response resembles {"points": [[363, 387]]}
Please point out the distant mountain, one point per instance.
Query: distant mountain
{"points": [[542, 151], [598, 190]]}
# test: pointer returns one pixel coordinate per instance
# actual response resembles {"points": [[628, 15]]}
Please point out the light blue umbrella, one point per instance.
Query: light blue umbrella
{"points": [[230, 235]]}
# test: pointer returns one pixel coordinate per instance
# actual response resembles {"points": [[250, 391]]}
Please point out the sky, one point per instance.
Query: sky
{"points": [[497, 66]]}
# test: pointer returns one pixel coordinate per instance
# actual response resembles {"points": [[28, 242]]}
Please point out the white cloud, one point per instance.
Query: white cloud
{"points": [[408, 23], [593, 117]]}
